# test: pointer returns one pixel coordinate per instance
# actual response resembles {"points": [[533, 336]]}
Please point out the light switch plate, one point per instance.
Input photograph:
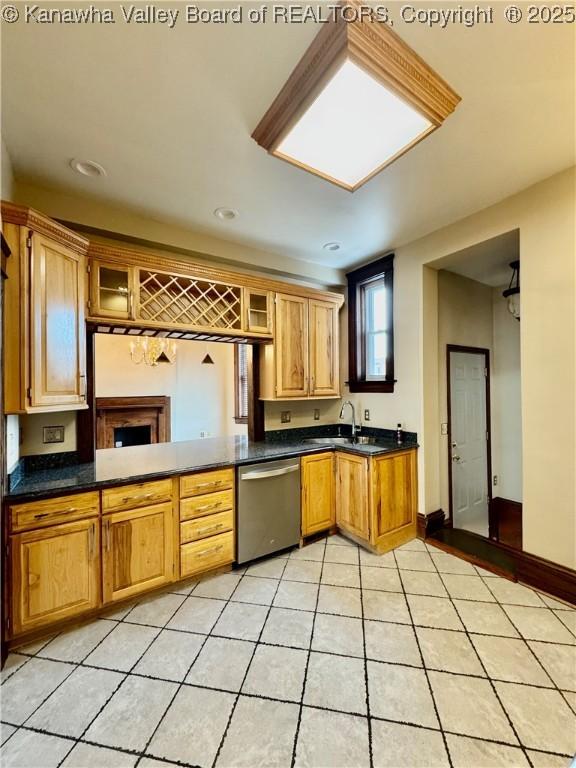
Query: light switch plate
{"points": [[53, 434], [316, 414], [444, 428]]}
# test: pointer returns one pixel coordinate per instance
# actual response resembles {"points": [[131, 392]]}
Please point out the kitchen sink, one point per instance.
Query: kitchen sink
{"points": [[358, 440]]}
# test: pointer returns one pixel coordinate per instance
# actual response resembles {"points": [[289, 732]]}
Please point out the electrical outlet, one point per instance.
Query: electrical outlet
{"points": [[285, 417], [366, 414], [53, 434], [204, 433], [316, 414], [495, 480], [444, 428]]}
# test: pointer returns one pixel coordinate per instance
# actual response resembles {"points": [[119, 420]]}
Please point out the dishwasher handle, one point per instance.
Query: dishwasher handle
{"points": [[270, 473]]}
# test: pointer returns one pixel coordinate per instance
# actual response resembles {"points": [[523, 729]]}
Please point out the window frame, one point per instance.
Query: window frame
{"points": [[238, 386], [358, 279]]}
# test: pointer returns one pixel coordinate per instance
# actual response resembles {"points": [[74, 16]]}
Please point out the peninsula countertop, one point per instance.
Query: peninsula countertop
{"points": [[114, 466]]}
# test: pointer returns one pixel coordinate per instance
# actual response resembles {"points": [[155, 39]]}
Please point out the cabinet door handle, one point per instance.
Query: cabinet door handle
{"points": [[137, 497], [206, 507], [107, 536], [208, 485], [40, 515], [209, 551], [209, 528], [91, 538]]}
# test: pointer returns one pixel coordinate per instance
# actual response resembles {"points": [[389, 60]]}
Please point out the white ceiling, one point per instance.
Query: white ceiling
{"points": [[169, 114], [487, 262]]}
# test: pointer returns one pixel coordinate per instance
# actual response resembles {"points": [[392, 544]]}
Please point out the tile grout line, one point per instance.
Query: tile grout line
{"points": [[368, 708], [508, 718], [555, 686], [440, 724], [256, 644], [309, 653], [126, 673]]}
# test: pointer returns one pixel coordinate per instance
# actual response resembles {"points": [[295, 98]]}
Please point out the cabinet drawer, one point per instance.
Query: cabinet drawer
{"points": [[206, 554], [137, 495], [198, 506], [192, 530], [63, 509], [206, 482]]}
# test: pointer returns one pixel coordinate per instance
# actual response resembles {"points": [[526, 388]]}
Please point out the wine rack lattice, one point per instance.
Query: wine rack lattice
{"points": [[180, 300]]}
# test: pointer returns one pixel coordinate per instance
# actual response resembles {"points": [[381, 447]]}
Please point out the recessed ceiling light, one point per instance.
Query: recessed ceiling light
{"points": [[357, 100], [88, 168], [226, 214], [331, 246]]}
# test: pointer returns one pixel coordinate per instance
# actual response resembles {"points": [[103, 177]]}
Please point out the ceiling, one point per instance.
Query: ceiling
{"points": [[169, 114], [487, 262]]}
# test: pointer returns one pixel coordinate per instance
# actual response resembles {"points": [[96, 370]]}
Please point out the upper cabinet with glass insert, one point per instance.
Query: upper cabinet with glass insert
{"points": [[257, 311], [112, 293]]}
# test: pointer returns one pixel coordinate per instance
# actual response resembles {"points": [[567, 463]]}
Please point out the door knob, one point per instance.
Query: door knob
{"points": [[456, 458]]}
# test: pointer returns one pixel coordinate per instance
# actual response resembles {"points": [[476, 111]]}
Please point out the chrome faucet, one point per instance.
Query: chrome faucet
{"points": [[355, 429]]}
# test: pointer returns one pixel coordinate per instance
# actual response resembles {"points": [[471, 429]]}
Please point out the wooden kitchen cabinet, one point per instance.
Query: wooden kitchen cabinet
{"points": [[324, 349], [44, 313], [137, 551], [352, 507], [111, 290], [55, 574], [258, 311], [318, 508], [303, 362], [394, 499]]}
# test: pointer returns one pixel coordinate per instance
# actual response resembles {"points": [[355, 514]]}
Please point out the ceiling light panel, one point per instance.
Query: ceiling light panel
{"points": [[354, 126], [358, 99]]}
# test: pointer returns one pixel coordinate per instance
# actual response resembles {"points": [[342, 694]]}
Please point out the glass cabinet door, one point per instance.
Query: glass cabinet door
{"points": [[111, 290], [258, 311]]}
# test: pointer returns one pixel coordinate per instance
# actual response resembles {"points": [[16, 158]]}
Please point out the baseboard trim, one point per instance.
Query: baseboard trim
{"points": [[428, 524], [551, 578]]}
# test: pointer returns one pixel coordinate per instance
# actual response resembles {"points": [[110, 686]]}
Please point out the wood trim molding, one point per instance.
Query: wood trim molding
{"points": [[552, 578], [428, 524], [28, 217], [161, 263], [354, 32], [155, 410]]}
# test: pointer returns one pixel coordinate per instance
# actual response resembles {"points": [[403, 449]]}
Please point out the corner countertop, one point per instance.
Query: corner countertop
{"points": [[113, 466]]}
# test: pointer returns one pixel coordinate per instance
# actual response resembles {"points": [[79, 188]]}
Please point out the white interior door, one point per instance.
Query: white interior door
{"points": [[469, 442]]}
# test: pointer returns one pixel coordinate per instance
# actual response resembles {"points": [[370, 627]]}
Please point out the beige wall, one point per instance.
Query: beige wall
{"points": [[464, 318], [91, 212], [32, 426], [302, 413], [7, 174], [201, 396], [545, 215], [506, 401]]}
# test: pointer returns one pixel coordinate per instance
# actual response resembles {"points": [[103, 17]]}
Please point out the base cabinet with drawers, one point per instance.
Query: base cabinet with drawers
{"points": [[54, 565], [68, 556], [206, 521]]}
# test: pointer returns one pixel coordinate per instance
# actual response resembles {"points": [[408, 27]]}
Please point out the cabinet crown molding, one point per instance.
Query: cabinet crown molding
{"points": [[28, 217]]}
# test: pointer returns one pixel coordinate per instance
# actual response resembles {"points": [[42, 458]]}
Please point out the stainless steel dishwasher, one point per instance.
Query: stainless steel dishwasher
{"points": [[268, 508]]}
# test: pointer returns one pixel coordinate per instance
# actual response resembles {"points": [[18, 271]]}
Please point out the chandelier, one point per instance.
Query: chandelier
{"points": [[152, 351]]}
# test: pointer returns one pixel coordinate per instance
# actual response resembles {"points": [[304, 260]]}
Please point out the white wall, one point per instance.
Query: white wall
{"points": [[506, 401], [201, 396]]}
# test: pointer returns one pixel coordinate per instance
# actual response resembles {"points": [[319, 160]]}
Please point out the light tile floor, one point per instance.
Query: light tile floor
{"points": [[325, 656]]}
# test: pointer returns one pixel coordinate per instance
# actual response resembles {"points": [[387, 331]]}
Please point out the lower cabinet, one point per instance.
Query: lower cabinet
{"points": [[317, 478], [137, 551], [55, 574], [394, 499], [352, 494]]}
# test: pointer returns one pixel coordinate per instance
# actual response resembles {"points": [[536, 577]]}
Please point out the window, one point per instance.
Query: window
{"points": [[241, 383], [371, 327]]}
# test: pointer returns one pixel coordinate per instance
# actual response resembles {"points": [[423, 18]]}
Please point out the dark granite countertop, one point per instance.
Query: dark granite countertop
{"points": [[114, 466]]}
